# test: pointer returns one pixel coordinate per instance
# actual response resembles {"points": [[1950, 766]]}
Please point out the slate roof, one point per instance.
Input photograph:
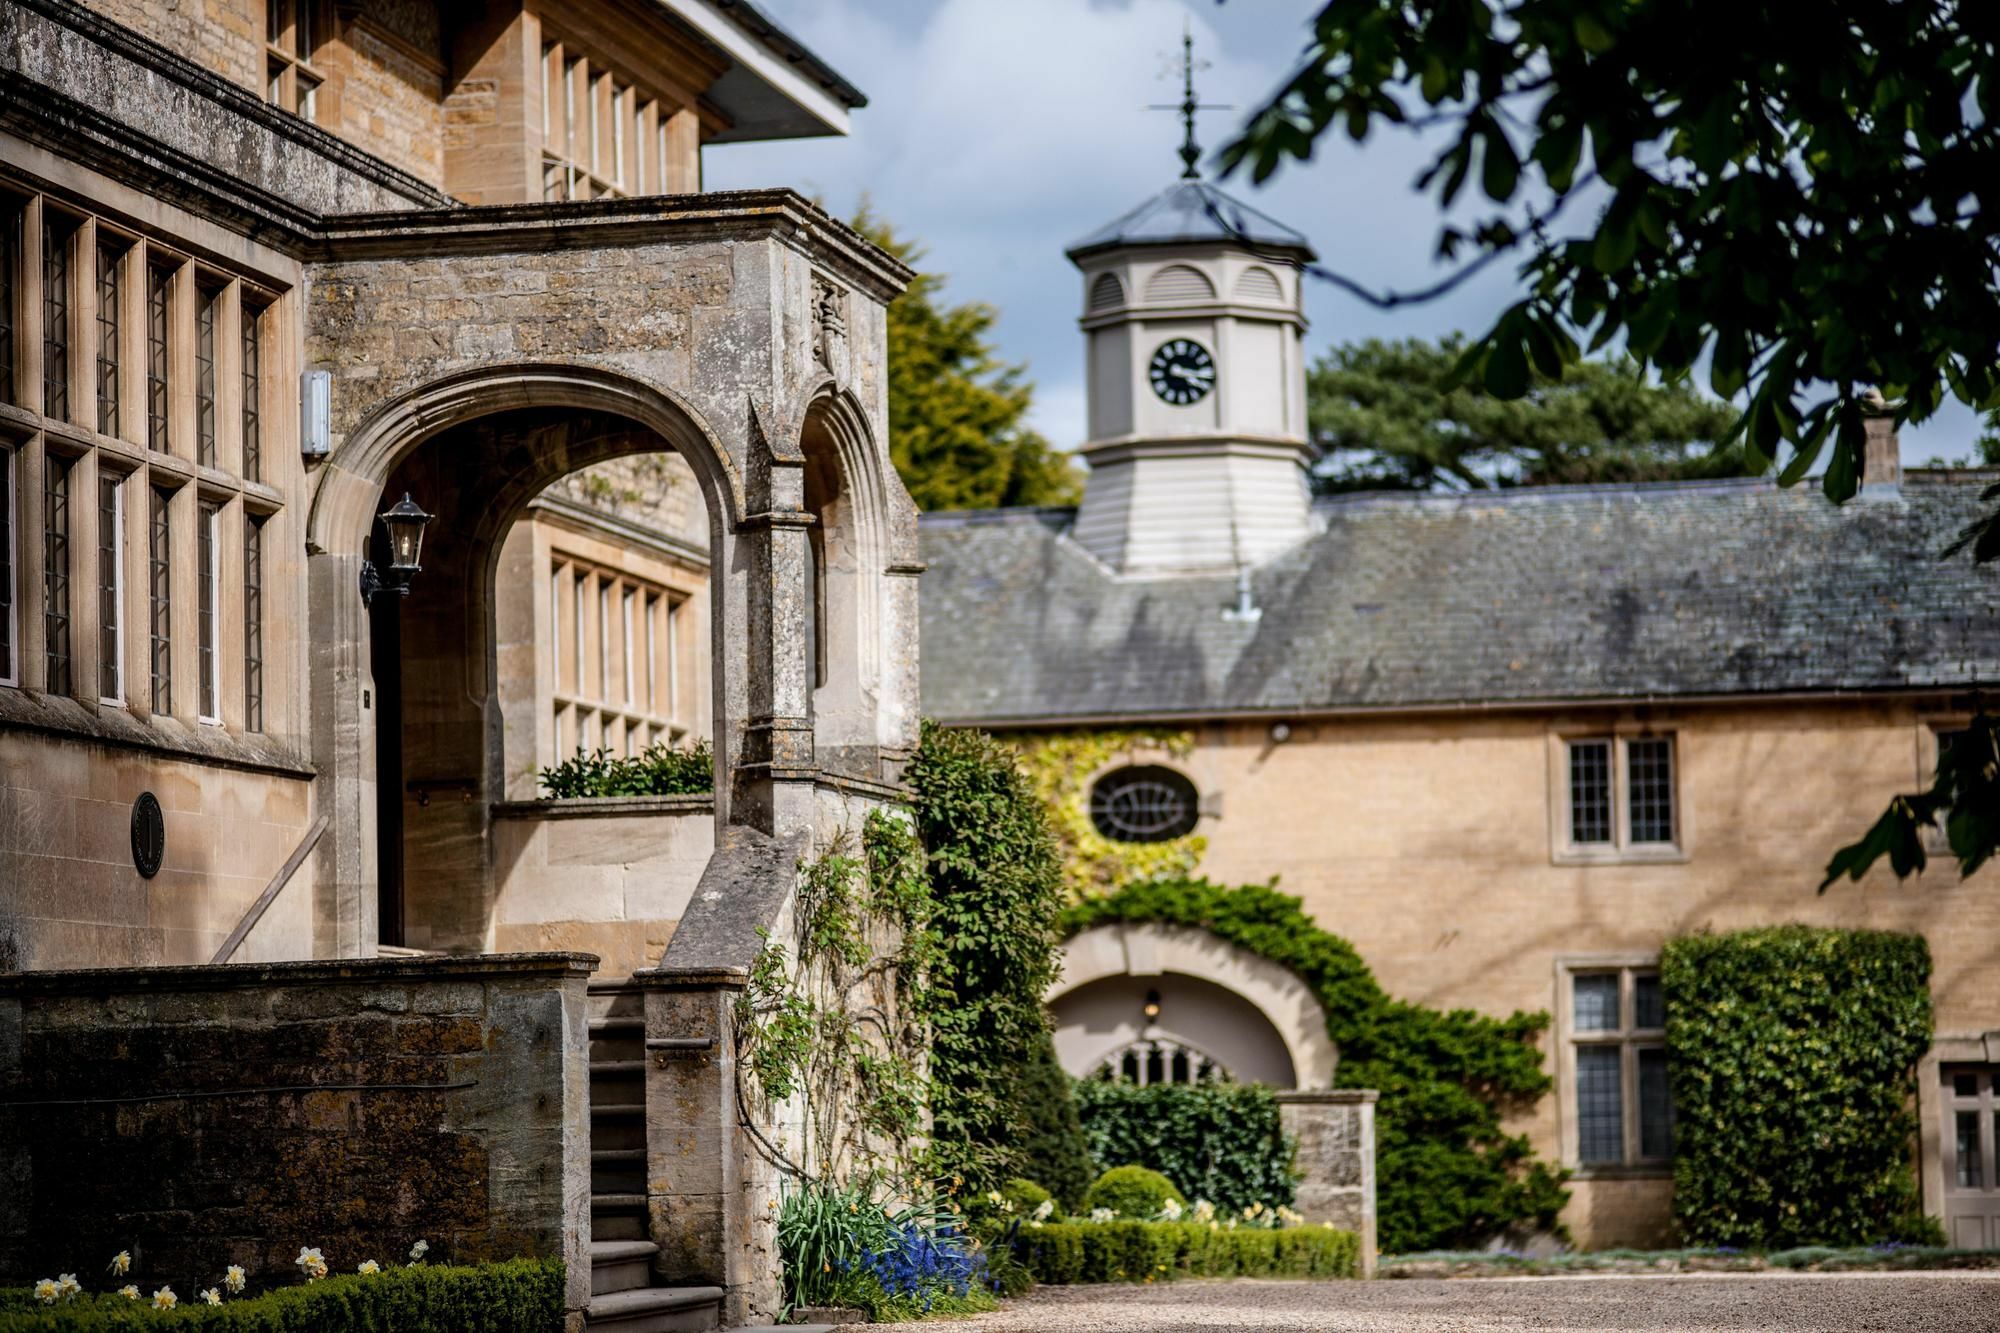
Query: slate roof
{"points": [[1569, 593], [1192, 212]]}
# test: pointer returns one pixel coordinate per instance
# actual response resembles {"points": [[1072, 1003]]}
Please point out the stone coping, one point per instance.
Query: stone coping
{"points": [[1329, 1096], [314, 972], [691, 978], [606, 807]]}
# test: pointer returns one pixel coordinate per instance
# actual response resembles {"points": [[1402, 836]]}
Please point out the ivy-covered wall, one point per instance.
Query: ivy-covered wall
{"points": [[1060, 765], [1792, 1053]]}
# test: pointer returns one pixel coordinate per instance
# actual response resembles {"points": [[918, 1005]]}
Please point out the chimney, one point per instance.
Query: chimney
{"points": [[1882, 454]]}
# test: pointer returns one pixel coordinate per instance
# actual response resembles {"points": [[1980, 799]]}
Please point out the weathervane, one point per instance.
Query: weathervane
{"points": [[1187, 106]]}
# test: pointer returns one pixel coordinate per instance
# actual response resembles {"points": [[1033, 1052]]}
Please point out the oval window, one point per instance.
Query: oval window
{"points": [[1144, 804]]}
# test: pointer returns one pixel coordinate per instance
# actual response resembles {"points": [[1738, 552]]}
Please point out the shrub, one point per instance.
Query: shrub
{"points": [[922, 1270], [520, 1296], [1447, 1174], [1792, 1059], [1221, 1142], [997, 882], [1016, 1200], [1135, 1192], [1027, 1196], [660, 771], [1053, 1147], [1070, 1252]]}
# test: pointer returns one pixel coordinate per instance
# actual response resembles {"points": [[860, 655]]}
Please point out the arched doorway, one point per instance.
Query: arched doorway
{"points": [[1170, 1004]]}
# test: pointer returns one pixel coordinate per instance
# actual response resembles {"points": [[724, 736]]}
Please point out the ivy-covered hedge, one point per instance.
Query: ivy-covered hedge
{"points": [[1792, 1059], [1069, 1252], [520, 1296], [996, 879], [1221, 1142], [660, 770], [1447, 1174]]}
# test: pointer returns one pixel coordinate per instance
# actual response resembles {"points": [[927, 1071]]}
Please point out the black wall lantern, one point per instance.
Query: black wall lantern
{"points": [[405, 522]]}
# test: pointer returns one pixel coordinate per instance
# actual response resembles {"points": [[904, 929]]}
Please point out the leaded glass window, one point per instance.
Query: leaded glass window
{"points": [[1621, 1097], [55, 572], [1590, 791], [1144, 803]]}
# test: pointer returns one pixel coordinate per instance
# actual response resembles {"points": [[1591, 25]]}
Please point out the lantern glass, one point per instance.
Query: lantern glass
{"points": [[405, 521]]}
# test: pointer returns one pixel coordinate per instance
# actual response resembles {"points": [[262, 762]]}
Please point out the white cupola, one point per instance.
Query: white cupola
{"points": [[1194, 330]]}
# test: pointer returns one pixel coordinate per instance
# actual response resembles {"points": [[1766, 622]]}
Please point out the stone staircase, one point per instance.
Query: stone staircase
{"points": [[625, 1296]]}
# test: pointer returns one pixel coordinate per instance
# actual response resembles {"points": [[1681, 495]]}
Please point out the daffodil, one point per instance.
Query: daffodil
{"points": [[47, 1290], [67, 1286], [211, 1297], [1043, 1210], [368, 1268], [129, 1292], [234, 1279], [1103, 1214], [311, 1262], [164, 1299], [1171, 1210], [419, 1250], [121, 1263]]}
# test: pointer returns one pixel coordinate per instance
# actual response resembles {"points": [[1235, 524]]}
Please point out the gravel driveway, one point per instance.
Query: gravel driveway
{"points": [[1761, 1303]]}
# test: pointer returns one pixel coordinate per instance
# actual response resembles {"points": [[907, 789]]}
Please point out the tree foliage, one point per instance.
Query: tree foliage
{"points": [[1448, 1174], [1799, 211], [1792, 1053], [996, 881], [1801, 206], [1389, 416], [956, 411]]}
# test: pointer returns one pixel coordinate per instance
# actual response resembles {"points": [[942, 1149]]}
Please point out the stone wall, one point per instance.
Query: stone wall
{"points": [[610, 875], [201, 1117], [70, 895], [1336, 1160]]}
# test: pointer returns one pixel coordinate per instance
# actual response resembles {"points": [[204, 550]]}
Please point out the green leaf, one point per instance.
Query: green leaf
{"points": [[1593, 36], [1500, 168], [1506, 366]]}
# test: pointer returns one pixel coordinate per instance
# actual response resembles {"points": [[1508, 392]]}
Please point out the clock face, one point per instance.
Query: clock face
{"points": [[1182, 372]]}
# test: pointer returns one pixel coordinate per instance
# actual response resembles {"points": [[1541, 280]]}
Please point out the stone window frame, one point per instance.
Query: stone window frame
{"points": [[34, 442], [1201, 806], [293, 75], [604, 134], [578, 657], [10, 563], [1620, 850], [1629, 1039]]}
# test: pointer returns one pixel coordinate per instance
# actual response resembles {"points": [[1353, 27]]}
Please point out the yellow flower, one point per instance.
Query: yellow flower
{"points": [[312, 1263], [129, 1292], [121, 1263], [211, 1297], [67, 1285], [46, 1291], [368, 1268], [164, 1299], [234, 1279]]}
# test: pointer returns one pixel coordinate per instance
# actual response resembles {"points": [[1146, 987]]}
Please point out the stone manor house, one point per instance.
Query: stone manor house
{"points": [[265, 269], [268, 267]]}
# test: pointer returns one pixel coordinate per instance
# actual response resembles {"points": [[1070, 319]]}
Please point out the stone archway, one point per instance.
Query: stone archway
{"points": [[475, 415], [1257, 1015]]}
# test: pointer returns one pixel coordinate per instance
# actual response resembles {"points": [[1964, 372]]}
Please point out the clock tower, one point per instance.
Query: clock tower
{"points": [[1193, 326]]}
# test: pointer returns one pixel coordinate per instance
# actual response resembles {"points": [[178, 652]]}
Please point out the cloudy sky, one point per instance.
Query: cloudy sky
{"points": [[999, 131]]}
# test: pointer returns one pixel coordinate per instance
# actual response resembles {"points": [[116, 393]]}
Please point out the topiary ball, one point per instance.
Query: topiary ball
{"points": [[1133, 1192], [1027, 1196]]}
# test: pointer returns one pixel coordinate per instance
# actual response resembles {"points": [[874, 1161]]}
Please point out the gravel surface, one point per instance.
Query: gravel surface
{"points": [[1760, 1303]]}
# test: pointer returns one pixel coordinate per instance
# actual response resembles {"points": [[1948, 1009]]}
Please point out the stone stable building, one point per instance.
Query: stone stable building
{"points": [[1507, 743], [265, 268]]}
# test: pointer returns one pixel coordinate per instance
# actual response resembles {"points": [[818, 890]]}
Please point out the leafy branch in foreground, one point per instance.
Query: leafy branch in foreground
{"points": [[1965, 796]]}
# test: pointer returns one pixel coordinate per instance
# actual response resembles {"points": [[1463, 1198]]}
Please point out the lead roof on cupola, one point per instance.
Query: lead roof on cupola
{"points": [[1194, 212]]}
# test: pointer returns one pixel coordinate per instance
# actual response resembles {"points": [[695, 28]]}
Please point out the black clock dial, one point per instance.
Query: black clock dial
{"points": [[1182, 372]]}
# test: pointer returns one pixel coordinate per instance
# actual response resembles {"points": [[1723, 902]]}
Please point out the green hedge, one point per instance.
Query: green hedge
{"points": [[1793, 1053], [1221, 1142], [1447, 1174], [520, 1296], [1069, 1252]]}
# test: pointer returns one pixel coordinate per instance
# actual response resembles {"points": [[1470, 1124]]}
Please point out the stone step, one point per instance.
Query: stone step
{"points": [[621, 1265], [657, 1310], [614, 1069], [617, 1170]]}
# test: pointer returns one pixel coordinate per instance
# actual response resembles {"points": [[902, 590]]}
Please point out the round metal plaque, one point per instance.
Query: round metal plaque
{"points": [[149, 835]]}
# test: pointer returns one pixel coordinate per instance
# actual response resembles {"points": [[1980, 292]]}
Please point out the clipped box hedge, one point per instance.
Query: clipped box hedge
{"points": [[1061, 1253], [1222, 1142], [519, 1296], [1792, 1054]]}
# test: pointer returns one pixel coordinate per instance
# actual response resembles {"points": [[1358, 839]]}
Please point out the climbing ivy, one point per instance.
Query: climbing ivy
{"points": [[1448, 1175], [1061, 765], [837, 1020]]}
